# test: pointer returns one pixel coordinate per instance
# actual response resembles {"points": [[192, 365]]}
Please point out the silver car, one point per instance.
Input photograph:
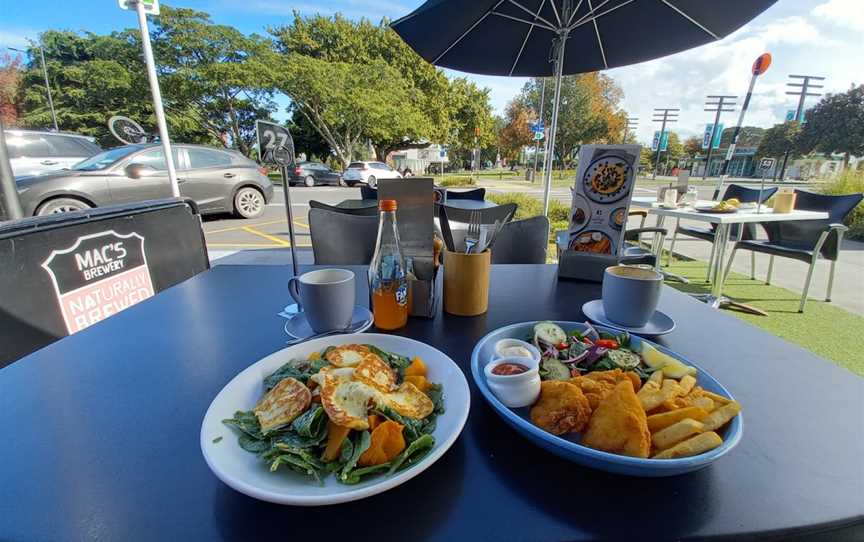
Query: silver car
{"points": [[32, 152], [218, 180]]}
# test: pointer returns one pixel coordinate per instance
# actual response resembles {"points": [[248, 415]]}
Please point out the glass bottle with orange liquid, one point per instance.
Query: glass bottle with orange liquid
{"points": [[388, 277]]}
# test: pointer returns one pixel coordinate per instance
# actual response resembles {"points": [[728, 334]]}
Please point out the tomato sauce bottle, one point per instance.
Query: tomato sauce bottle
{"points": [[388, 277]]}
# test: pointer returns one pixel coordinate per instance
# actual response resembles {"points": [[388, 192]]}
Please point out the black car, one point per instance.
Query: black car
{"points": [[313, 173]]}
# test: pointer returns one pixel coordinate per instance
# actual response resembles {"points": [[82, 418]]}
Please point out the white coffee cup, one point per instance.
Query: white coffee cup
{"points": [[327, 297]]}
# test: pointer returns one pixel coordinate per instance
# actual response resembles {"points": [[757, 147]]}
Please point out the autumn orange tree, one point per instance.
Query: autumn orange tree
{"points": [[516, 134], [10, 81]]}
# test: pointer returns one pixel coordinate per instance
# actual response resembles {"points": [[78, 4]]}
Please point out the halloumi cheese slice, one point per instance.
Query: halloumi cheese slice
{"points": [[287, 400]]}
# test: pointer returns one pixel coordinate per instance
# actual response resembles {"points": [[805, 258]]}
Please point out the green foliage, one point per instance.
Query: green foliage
{"points": [[836, 124], [471, 120], [457, 180], [528, 206], [590, 111], [849, 182], [780, 138]]}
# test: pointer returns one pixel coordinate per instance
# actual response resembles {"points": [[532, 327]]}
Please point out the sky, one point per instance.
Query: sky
{"points": [[807, 37]]}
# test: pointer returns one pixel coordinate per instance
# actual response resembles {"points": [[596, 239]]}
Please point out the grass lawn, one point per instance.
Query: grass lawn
{"points": [[824, 329]]}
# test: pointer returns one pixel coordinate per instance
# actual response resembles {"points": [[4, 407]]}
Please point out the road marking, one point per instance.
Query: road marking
{"points": [[259, 233], [235, 228]]}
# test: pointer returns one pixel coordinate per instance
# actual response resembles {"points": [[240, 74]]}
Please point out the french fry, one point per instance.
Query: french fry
{"points": [[705, 403], [675, 433], [670, 390], [656, 377], [687, 382], [656, 422], [717, 398], [721, 416], [650, 395], [699, 444]]}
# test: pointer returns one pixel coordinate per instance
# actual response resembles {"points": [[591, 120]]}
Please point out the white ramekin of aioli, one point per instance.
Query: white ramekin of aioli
{"points": [[515, 381], [514, 348]]}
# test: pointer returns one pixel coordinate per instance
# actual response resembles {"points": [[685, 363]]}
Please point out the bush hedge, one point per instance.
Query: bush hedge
{"points": [[529, 206], [457, 180], [849, 182]]}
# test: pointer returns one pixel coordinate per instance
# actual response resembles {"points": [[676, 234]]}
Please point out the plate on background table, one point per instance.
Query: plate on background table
{"points": [[248, 474], [659, 324], [567, 446], [711, 209]]}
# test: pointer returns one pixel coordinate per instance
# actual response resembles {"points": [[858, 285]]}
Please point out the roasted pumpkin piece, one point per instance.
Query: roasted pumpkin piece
{"points": [[387, 442], [335, 435], [417, 368], [374, 421]]}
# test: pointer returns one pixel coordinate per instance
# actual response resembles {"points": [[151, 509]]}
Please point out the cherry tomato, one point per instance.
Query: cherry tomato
{"points": [[611, 344], [563, 346]]}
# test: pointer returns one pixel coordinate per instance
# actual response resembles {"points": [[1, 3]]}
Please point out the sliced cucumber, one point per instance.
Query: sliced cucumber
{"points": [[624, 358], [552, 369], [550, 333]]}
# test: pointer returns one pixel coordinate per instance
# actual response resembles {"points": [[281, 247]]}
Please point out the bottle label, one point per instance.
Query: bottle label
{"points": [[402, 294]]}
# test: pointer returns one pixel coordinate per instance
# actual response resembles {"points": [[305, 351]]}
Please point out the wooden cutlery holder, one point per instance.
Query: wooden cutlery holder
{"points": [[466, 282]]}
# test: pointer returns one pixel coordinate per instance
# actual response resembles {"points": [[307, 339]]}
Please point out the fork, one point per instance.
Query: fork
{"points": [[473, 235]]}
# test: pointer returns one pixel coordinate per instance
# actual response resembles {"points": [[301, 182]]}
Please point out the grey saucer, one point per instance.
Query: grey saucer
{"points": [[659, 324], [298, 327]]}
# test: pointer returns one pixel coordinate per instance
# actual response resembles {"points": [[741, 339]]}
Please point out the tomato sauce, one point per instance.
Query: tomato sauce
{"points": [[509, 369]]}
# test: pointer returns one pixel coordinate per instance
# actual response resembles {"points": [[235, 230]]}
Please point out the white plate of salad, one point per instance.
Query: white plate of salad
{"points": [[335, 419]]}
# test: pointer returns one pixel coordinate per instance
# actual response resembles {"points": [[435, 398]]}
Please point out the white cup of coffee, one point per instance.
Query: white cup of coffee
{"points": [[630, 294], [327, 297]]}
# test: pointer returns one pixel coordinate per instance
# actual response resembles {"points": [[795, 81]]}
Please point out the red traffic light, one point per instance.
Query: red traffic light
{"points": [[761, 64]]}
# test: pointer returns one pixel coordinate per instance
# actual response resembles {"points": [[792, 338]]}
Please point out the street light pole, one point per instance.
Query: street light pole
{"points": [[537, 141], [47, 85]]}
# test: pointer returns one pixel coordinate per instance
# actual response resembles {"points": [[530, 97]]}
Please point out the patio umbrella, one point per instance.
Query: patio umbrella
{"points": [[540, 38]]}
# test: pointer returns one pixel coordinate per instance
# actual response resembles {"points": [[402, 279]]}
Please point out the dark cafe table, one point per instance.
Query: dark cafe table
{"points": [[100, 434]]}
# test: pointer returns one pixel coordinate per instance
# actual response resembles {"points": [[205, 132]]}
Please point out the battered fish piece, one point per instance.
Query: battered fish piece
{"points": [[561, 408], [619, 424], [599, 384]]}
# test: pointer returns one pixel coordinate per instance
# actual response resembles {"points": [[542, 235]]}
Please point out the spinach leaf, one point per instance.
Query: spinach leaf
{"points": [[357, 474], [296, 463], [395, 360], [415, 451], [346, 451], [311, 424], [317, 364], [253, 445], [246, 422], [360, 446], [294, 440], [297, 369]]}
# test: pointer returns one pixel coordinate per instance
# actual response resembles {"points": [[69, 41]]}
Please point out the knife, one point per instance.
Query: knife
{"points": [[445, 229]]}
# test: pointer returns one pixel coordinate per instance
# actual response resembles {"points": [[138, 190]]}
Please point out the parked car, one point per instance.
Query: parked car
{"points": [[217, 180], [312, 173], [369, 173], [32, 152]]}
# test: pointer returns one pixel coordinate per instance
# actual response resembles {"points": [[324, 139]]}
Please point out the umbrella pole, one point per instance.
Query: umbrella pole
{"points": [[556, 102]]}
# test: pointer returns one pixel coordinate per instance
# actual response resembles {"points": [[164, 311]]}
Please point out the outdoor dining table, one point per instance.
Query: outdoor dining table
{"points": [[722, 234], [101, 433]]}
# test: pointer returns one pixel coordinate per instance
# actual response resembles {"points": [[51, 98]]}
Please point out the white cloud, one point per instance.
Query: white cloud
{"points": [[16, 37], [845, 13]]}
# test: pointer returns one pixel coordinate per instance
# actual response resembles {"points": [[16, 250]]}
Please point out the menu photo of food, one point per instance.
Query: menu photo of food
{"points": [[601, 197]]}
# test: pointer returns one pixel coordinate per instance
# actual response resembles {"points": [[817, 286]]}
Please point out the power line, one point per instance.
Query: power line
{"points": [[804, 86], [716, 104]]}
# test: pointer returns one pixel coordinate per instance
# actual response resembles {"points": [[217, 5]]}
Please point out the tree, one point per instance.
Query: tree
{"points": [[836, 125], [471, 120], [780, 138], [10, 81], [692, 147], [210, 75], [590, 111], [674, 152], [516, 132], [419, 111]]}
